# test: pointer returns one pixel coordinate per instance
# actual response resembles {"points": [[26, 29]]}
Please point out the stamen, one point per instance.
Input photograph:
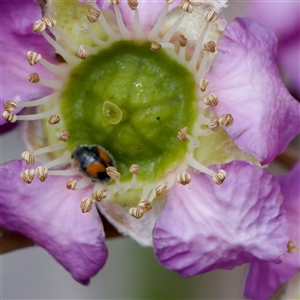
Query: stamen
{"points": [[12, 118], [64, 135], [136, 212], [155, 47], [113, 173], [184, 178], [39, 26], [210, 47], [72, 184], [99, 195], [82, 53], [41, 173], [211, 100], [182, 40], [11, 104], [123, 30], [145, 206], [183, 135], [226, 120], [109, 32], [35, 78], [211, 16], [214, 124], [167, 37], [49, 21], [33, 58], [62, 160], [54, 119], [159, 23], [93, 15], [185, 5], [86, 205], [139, 33], [203, 84], [94, 36], [198, 166], [219, 177], [28, 175], [28, 158], [134, 170], [292, 247], [161, 189]]}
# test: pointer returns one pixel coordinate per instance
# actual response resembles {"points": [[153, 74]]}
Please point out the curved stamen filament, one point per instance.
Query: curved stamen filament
{"points": [[123, 30], [139, 33], [159, 23], [57, 31], [167, 37], [48, 149], [93, 35], [198, 166], [62, 160]]}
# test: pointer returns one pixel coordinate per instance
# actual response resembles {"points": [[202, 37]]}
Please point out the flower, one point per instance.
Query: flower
{"points": [[131, 79], [283, 19], [264, 278]]}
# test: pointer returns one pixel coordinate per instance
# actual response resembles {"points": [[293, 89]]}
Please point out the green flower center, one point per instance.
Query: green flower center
{"points": [[131, 101]]}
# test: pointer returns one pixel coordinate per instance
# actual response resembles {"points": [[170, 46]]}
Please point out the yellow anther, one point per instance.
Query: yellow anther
{"points": [[211, 16], [155, 47], [219, 177], [28, 175], [184, 178], [72, 184], [113, 173], [210, 47], [99, 195], [41, 173], [39, 26], [211, 100], [186, 6], [136, 212], [226, 120], [214, 124], [54, 119], [161, 189], [182, 40], [9, 117], [64, 135], [10, 105], [134, 169], [49, 21], [114, 2], [33, 57], [34, 78], [133, 4], [145, 205], [203, 84], [181, 135], [28, 158], [93, 15], [82, 53], [86, 205]]}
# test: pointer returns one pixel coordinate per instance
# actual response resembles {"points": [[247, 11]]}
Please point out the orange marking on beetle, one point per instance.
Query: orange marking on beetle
{"points": [[104, 155], [94, 168]]}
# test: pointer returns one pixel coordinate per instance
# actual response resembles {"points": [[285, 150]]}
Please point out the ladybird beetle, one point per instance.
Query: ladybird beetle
{"points": [[93, 161]]}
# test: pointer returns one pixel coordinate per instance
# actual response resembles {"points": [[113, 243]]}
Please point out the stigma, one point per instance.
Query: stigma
{"points": [[113, 168]]}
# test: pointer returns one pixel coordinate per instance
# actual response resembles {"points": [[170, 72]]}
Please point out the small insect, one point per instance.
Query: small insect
{"points": [[92, 161]]}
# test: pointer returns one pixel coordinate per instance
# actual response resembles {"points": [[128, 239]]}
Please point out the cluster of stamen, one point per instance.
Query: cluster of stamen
{"points": [[196, 65]]}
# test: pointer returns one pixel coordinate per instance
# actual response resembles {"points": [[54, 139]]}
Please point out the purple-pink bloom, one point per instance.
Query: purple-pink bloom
{"points": [[192, 234], [283, 18], [245, 77], [204, 227], [264, 278]]}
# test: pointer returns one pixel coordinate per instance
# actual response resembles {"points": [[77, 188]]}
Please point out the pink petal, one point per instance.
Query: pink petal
{"points": [[50, 215], [265, 278], [17, 38], [245, 78], [205, 226]]}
